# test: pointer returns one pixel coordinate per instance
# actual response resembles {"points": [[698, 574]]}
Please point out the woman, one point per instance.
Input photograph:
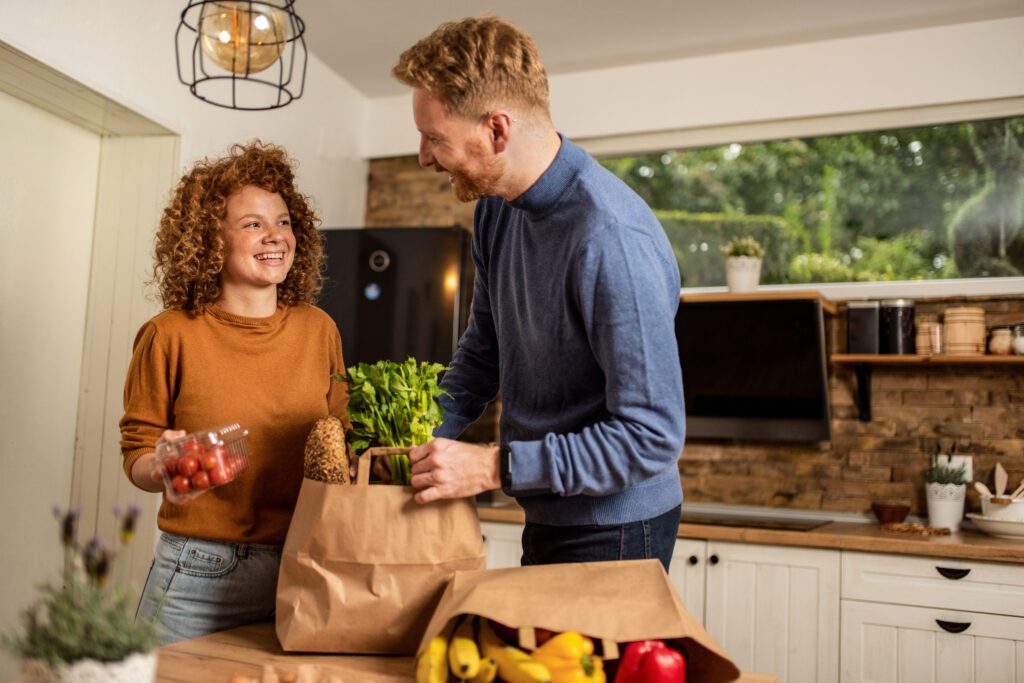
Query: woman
{"points": [[238, 265]]}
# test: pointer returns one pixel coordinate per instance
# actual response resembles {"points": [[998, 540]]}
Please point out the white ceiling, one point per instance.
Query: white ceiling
{"points": [[361, 39]]}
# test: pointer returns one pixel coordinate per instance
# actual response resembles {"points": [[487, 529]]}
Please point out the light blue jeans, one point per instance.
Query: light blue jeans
{"points": [[197, 586]]}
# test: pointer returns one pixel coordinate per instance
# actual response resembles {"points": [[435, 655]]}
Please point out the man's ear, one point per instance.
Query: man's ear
{"points": [[499, 124]]}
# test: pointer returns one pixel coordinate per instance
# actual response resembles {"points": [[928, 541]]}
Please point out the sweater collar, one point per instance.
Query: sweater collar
{"points": [[545, 194], [267, 323]]}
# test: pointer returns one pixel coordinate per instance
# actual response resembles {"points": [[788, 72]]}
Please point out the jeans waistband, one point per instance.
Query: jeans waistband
{"points": [[241, 549]]}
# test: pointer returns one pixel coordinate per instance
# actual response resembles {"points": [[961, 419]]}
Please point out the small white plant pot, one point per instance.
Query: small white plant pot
{"points": [[137, 668], [742, 273], [945, 505]]}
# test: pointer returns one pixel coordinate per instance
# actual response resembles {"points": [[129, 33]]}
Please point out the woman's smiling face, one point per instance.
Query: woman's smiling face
{"points": [[259, 245]]}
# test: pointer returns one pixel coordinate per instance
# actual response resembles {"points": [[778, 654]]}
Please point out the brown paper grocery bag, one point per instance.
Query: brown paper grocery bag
{"points": [[363, 565], [612, 601]]}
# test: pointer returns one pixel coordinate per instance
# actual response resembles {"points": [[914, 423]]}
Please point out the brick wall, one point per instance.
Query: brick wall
{"points": [[401, 194], [979, 408]]}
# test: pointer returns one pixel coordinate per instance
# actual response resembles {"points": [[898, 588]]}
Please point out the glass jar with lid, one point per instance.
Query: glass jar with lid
{"points": [[1017, 338], [999, 341]]}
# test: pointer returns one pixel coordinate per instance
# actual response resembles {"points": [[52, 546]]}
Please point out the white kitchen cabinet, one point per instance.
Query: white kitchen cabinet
{"points": [[909, 619], [775, 609], [687, 573], [991, 587], [884, 643], [503, 544]]}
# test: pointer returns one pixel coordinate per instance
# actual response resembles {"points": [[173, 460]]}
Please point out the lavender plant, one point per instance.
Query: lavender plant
{"points": [[84, 616]]}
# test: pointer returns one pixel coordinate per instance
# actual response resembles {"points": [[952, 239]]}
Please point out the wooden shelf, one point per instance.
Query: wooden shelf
{"points": [[863, 362], [827, 305], [913, 359]]}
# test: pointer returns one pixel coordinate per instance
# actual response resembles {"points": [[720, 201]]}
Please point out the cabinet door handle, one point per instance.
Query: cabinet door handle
{"points": [[953, 626], [951, 573], [713, 559], [693, 559]]}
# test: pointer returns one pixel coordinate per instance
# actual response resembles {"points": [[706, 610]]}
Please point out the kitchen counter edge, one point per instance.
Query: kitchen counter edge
{"points": [[965, 545]]}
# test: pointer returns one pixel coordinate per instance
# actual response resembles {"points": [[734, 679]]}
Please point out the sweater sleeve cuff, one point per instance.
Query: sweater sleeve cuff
{"points": [[529, 467]]}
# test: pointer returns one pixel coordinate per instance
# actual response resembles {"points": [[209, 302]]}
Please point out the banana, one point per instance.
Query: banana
{"points": [[463, 655], [514, 665], [432, 664], [488, 671]]}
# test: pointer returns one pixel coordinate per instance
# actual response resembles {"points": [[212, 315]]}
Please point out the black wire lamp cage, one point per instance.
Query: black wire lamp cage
{"points": [[237, 47]]}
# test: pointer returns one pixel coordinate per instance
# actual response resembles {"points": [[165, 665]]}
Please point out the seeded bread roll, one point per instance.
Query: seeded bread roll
{"points": [[326, 457]]}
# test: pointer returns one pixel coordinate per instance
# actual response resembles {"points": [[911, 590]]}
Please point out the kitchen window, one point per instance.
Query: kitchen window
{"points": [[933, 202]]}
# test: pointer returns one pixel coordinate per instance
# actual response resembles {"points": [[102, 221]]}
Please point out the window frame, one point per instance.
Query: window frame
{"points": [[840, 124]]}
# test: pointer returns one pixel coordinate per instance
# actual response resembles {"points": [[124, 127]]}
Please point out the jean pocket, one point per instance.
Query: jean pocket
{"points": [[207, 558]]}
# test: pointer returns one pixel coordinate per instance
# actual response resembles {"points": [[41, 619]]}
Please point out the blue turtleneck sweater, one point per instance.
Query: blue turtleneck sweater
{"points": [[573, 321]]}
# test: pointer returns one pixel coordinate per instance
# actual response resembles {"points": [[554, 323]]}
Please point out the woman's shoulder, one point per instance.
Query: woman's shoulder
{"points": [[311, 315], [170, 321]]}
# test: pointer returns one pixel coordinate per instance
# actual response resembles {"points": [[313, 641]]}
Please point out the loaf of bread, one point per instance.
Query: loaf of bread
{"points": [[326, 457]]}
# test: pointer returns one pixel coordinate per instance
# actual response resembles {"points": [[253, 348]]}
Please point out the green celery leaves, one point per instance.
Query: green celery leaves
{"points": [[393, 404]]}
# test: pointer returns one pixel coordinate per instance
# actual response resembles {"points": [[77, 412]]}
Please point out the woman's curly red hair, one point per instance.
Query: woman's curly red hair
{"points": [[189, 252]]}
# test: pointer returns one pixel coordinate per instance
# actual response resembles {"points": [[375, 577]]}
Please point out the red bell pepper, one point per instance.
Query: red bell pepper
{"points": [[651, 661]]}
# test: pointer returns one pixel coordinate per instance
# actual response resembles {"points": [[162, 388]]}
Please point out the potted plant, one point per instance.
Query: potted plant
{"points": [[83, 628], [743, 263], [945, 489]]}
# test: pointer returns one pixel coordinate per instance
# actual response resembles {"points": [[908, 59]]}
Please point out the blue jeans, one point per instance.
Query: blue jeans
{"points": [[648, 538], [197, 586]]}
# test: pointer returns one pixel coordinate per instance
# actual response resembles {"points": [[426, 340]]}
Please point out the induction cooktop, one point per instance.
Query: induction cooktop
{"points": [[771, 523]]}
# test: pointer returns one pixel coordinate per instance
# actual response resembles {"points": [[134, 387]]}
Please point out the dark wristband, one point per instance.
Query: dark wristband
{"points": [[505, 466]]}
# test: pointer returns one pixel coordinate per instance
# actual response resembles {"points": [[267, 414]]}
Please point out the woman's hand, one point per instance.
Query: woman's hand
{"points": [[382, 468], [147, 472]]}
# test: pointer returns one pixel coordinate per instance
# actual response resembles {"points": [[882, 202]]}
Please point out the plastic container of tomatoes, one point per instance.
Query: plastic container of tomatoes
{"points": [[202, 460]]}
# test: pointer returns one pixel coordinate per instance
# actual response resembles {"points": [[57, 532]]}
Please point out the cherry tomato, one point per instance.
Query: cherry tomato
{"points": [[216, 455], [201, 480], [181, 484], [188, 465], [191, 447], [220, 475], [171, 465]]}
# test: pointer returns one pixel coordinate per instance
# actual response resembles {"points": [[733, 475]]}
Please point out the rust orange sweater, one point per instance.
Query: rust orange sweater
{"points": [[271, 375]]}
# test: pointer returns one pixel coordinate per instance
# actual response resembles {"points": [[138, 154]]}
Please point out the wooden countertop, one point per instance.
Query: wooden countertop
{"points": [[246, 650], [965, 545]]}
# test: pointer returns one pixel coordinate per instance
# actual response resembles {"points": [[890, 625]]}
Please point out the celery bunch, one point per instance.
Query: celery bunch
{"points": [[393, 404]]}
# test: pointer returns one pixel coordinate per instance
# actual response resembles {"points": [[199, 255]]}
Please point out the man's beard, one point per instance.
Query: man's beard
{"points": [[483, 183]]}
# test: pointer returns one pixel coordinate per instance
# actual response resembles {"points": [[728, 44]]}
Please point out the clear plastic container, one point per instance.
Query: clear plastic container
{"points": [[202, 460]]}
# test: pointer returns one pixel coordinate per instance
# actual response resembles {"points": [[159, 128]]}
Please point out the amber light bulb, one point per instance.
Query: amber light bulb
{"points": [[242, 37]]}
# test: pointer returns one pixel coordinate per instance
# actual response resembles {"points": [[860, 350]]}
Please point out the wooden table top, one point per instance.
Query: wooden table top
{"points": [[247, 649]]}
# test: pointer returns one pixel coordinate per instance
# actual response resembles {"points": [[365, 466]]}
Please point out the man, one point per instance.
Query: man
{"points": [[572, 316]]}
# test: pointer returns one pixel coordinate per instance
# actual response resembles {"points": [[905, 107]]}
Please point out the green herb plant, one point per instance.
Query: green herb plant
{"points": [[743, 246], [83, 617], [939, 473], [393, 405]]}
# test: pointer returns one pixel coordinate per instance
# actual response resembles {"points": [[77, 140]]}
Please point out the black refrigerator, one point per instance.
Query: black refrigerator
{"points": [[398, 292]]}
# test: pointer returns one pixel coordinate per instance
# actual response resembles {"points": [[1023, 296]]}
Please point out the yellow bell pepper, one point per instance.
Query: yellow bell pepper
{"points": [[569, 657]]}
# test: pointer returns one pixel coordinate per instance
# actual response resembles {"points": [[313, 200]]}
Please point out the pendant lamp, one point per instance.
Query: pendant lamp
{"points": [[242, 54]]}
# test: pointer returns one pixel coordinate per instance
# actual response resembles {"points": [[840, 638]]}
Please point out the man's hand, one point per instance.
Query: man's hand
{"points": [[444, 468]]}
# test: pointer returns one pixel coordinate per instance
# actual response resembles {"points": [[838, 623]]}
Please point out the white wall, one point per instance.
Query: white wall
{"points": [[47, 205], [124, 49], [920, 68]]}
